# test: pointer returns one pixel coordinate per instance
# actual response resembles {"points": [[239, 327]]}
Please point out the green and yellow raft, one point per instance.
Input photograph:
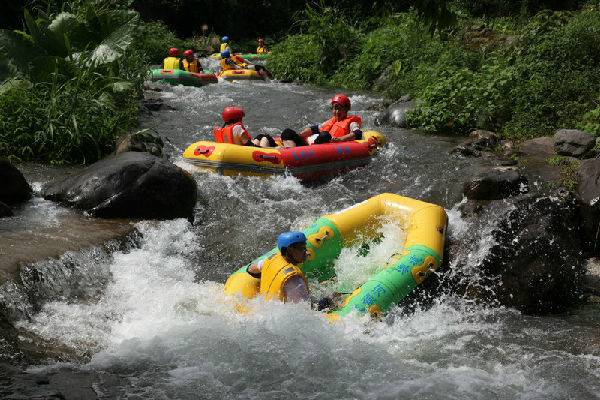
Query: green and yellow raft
{"points": [[180, 77], [246, 56], [414, 259]]}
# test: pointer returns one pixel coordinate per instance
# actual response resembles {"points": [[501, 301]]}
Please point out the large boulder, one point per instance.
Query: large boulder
{"points": [[479, 141], [496, 183], [142, 141], [589, 193], [5, 211], [130, 185], [573, 142], [14, 189], [535, 263]]}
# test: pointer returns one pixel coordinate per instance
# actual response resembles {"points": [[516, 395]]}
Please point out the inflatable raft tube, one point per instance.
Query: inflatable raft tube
{"points": [[240, 74], [414, 259], [305, 162], [179, 77], [254, 56]]}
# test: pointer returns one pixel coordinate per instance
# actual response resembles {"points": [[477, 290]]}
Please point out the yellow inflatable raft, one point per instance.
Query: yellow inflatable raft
{"points": [[414, 259], [304, 162], [240, 74]]}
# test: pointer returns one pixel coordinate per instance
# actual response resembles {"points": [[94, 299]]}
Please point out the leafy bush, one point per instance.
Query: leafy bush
{"points": [[155, 39], [463, 100], [297, 58], [73, 83]]}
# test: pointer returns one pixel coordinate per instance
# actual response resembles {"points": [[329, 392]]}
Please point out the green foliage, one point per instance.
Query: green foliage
{"points": [[72, 83], [463, 100], [155, 39], [297, 58], [569, 168], [590, 122]]}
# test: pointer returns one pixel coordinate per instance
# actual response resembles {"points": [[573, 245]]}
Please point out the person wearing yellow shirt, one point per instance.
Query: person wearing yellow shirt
{"points": [[225, 44]]}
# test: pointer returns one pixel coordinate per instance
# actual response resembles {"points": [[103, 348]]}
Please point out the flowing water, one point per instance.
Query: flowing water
{"points": [[153, 313]]}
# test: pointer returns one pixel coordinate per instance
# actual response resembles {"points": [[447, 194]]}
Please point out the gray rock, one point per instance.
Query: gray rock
{"points": [[484, 140], [573, 142], [592, 277], [142, 141], [589, 192], [396, 113], [496, 183], [536, 263], [130, 185], [14, 189], [5, 211]]}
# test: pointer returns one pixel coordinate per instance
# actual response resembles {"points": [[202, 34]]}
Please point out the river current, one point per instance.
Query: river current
{"points": [[155, 314]]}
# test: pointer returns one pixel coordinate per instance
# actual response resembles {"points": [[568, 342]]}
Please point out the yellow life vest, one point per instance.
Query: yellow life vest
{"points": [[261, 50], [224, 46], [171, 63], [191, 66], [276, 271]]}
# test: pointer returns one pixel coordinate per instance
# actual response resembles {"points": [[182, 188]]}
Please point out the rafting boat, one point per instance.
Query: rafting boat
{"points": [[421, 252], [180, 77], [246, 56], [240, 74], [304, 162]]}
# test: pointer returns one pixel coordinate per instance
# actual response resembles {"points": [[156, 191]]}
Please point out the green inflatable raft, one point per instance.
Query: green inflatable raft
{"points": [[179, 77]]}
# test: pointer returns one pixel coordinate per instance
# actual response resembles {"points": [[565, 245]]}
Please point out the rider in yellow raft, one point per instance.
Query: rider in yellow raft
{"points": [[224, 44], [280, 276], [233, 61], [172, 61], [261, 49]]}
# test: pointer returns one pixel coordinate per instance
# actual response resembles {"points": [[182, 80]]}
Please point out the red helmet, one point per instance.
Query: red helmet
{"points": [[341, 99], [173, 52], [188, 53], [232, 114]]}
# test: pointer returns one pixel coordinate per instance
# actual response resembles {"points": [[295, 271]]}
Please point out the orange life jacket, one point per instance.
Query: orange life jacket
{"points": [[340, 128], [225, 134]]}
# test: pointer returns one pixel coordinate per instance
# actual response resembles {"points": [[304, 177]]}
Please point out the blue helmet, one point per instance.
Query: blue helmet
{"points": [[225, 54], [287, 239], [225, 39]]}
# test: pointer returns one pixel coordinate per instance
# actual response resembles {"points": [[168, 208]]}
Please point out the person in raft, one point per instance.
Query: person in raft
{"points": [[172, 61], [224, 44], [341, 127], [234, 131], [232, 61], [190, 63], [261, 49], [280, 275]]}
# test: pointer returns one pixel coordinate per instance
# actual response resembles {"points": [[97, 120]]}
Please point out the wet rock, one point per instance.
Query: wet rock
{"points": [[573, 142], [592, 277], [535, 263], [396, 113], [496, 183], [5, 211], [484, 140], [589, 193], [130, 185], [14, 189], [142, 141], [478, 142], [534, 155], [153, 104], [380, 118]]}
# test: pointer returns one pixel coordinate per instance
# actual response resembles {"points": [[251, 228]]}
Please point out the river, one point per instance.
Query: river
{"points": [[153, 316]]}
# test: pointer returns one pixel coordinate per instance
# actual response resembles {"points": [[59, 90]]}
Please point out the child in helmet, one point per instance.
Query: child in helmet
{"points": [[280, 275], [225, 44], [234, 131], [341, 127]]}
